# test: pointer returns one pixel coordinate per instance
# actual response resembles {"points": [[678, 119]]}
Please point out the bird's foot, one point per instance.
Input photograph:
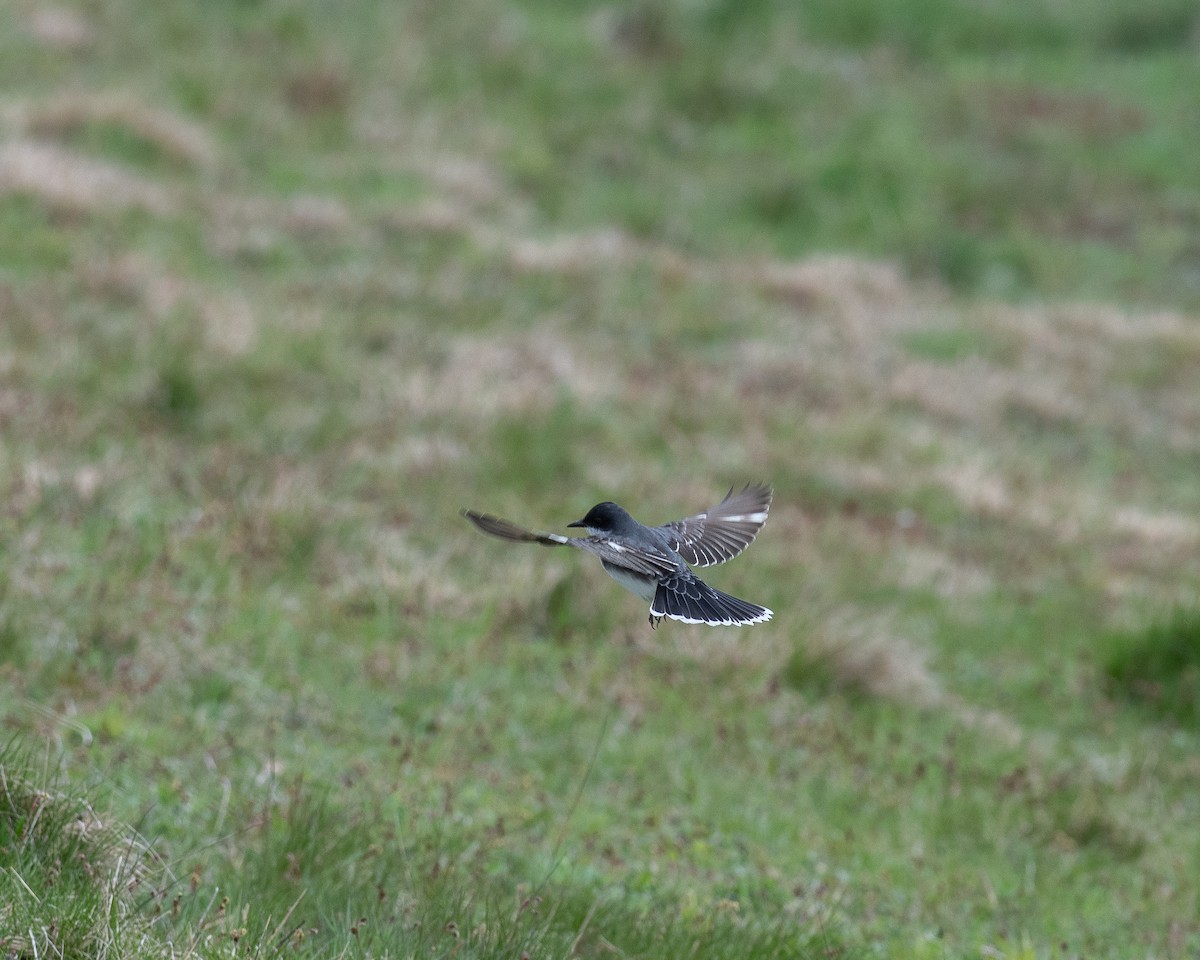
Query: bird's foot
{"points": [[655, 621]]}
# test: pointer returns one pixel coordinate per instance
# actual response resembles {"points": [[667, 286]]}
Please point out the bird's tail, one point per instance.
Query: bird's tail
{"points": [[700, 603]]}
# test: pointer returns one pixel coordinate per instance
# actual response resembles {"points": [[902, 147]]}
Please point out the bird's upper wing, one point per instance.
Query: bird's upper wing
{"points": [[721, 533], [506, 530]]}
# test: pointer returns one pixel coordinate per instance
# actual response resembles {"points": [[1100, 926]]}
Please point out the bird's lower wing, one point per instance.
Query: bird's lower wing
{"points": [[507, 530]]}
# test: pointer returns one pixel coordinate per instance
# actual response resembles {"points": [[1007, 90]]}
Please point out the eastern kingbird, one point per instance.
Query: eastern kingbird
{"points": [[653, 561]]}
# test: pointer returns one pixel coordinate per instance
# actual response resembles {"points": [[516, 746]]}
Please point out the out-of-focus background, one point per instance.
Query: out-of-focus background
{"points": [[285, 283]]}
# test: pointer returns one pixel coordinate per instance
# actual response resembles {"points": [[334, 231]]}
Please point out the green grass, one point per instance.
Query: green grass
{"points": [[302, 281], [298, 879], [68, 887], [1158, 666]]}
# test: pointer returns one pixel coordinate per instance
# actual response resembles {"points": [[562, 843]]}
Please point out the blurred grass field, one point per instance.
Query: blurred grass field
{"points": [[283, 285]]}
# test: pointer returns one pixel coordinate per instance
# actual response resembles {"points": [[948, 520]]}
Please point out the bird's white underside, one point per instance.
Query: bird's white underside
{"points": [[644, 587]]}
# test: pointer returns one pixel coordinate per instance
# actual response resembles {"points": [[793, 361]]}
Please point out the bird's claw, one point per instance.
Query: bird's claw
{"points": [[655, 621]]}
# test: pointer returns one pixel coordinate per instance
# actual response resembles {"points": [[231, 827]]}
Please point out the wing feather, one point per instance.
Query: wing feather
{"points": [[724, 531], [631, 558]]}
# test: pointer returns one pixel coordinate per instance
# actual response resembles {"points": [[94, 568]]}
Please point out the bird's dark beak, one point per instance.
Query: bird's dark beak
{"points": [[577, 523]]}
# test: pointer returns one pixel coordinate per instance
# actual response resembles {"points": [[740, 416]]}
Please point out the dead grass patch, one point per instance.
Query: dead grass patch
{"points": [[61, 29], [1064, 365], [970, 391], [1073, 512], [925, 567], [229, 323], [865, 654], [418, 454], [252, 228], [173, 136], [1157, 528], [1087, 321], [573, 253], [136, 278], [850, 284], [311, 214], [436, 216], [1072, 378], [731, 649], [489, 375], [1011, 111], [466, 181], [393, 564], [72, 183], [979, 485], [321, 89], [1065, 510]]}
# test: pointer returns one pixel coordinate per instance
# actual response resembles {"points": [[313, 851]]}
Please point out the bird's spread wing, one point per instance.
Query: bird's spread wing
{"points": [[506, 530], [644, 562], [723, 532]]}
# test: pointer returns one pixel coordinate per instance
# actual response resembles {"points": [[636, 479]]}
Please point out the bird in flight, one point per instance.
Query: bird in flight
{"points": [[653, 561]]}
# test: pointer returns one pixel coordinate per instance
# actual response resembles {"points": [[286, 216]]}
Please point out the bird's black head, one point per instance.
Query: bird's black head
{"points": [[604, 517]]}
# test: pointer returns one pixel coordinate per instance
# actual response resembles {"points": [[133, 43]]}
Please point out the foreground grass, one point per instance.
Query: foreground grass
{"points": [[302, 878], [283, 288]]}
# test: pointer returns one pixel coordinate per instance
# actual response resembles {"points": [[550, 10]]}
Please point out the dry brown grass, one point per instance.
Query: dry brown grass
{"points": [[828, 349], [228, 321], [465, 180], [857, 289], [573, 253], [136, 278], [835, 355], [248, 228], [963, 424], [922, 566], [174, 136], [866, 654], [73, 183], [486, 376], [61, 29]]}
